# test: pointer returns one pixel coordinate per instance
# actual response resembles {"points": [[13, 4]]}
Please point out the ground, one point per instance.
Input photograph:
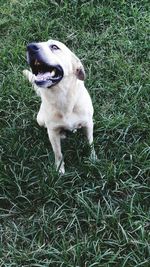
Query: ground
{"points": [[97, 214]]}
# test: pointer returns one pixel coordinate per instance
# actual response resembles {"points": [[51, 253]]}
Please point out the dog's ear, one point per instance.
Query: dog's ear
{"points": [[80, 73], [78, 68]]}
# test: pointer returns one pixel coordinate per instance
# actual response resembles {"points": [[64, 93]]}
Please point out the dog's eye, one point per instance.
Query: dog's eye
{"points": [[54, 47]]}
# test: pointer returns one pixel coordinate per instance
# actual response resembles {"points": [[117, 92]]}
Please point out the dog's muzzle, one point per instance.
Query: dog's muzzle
{"points": [[47, 75]]}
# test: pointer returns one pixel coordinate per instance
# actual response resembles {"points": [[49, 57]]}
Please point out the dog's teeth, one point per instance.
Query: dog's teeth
{"points": [[36, 63], [52, 73]]}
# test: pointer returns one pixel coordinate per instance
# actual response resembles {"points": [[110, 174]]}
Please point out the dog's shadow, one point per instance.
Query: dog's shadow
{"points": [[75, 148]]}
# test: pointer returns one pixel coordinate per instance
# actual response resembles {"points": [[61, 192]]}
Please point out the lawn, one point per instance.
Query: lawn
{"points": [[97, 214]]}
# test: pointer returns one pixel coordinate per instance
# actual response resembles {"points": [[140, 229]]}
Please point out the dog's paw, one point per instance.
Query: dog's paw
{"points": [[60, 167], [61, 170], [93, 156]]}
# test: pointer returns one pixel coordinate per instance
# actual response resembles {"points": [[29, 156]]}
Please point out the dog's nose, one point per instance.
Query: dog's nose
{"points": [[33, 47]]}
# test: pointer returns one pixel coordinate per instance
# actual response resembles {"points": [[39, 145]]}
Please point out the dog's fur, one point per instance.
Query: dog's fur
{"points": [[66, 105]]}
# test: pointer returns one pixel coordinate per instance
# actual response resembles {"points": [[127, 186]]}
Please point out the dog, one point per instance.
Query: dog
{"points": [[58, 77]]}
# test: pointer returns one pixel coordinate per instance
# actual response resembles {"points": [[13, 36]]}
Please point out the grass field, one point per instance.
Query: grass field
{"points": [[97, 214]]}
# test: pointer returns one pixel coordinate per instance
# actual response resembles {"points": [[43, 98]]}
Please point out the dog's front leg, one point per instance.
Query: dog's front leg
{"points": [[89, 134], [55, 140]]}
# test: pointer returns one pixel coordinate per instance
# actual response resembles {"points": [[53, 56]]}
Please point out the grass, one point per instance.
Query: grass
{"points": [[97, 214]]}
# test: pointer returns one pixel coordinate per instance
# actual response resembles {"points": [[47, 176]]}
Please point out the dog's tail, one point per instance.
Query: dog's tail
{"points": [[31, 77], [28, 74]]}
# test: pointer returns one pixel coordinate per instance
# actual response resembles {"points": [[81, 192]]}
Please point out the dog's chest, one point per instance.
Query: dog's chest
{"points": [[69, 122], [65, 113]]}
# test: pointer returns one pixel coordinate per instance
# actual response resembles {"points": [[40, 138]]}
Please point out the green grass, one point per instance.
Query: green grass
{"points": [[97, 214]]}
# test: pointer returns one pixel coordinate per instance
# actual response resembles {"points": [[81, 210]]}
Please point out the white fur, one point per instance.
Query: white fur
{"points": [[66, 105]]}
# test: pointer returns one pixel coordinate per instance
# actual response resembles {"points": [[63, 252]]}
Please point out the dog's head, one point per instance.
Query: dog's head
{"points": [[52, 61]]}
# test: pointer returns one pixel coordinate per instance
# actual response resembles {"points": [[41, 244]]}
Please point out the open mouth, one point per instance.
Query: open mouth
{"points": [[46, 75]]}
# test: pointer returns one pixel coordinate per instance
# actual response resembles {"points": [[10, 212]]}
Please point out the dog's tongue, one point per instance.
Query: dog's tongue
{"points": [[43, 76]]}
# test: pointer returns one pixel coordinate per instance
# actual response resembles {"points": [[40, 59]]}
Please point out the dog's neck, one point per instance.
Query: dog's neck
{"points": [[62, 96]]}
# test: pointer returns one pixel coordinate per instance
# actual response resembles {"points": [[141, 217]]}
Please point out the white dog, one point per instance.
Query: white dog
{"points": [[58, 77]]}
